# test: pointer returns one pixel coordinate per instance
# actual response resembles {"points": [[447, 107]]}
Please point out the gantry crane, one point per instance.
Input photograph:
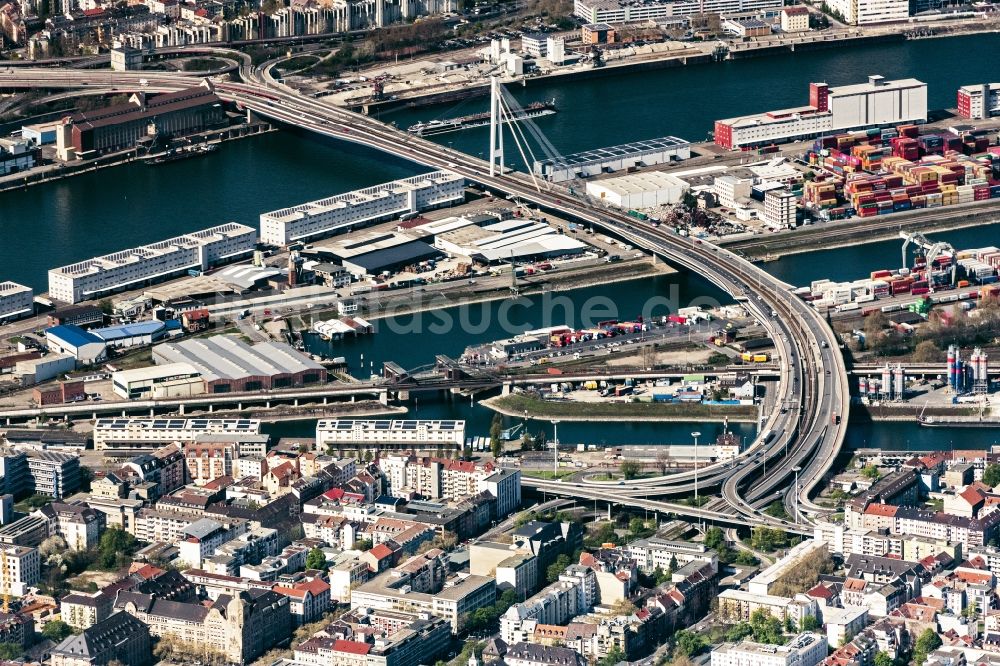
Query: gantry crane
{"points": [[932, 250]]}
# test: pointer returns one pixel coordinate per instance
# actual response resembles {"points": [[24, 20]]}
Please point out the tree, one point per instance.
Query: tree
{"points": [[991, 475], [613, 657], [871, 472], [689, 643], [776, 510], [623, 607], [714, 538], [115, 548], [927, 643], [810, 623], [496, 436], [57, 630], [738, 632], [630, 469], [926, 352], [363, 544], [766, 628], [883, 659], [971, 611], [11, 651], [556, 568], [316, 559]]}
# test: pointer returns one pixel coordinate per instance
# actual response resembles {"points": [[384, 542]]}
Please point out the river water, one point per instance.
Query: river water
{"points": [[109, 210]]}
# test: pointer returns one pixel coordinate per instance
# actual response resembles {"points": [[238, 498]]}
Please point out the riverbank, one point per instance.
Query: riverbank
{"points": [[862, 231], [564, 280], [904, 413], [53, 172], [517, 405]]}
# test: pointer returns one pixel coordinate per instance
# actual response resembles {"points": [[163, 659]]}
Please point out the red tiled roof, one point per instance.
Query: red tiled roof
{"points": [[351, 647], [821, 592], [886, 510], [381, 551]]}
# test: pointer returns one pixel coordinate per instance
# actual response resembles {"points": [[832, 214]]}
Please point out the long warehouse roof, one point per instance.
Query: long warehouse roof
{"points": [[226, 357]]}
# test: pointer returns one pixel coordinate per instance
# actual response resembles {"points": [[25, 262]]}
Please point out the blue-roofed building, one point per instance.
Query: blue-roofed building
{"points": [[139, 334], [82, 345]]}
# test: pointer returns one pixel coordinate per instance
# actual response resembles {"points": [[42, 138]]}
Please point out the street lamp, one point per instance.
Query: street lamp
{"points": [[696, 435], [555, 448]]}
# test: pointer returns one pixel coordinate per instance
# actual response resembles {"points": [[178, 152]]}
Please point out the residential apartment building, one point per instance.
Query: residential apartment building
{"points": [[453, 602], [737, 606], [78, 524], [81, 610], [23, 566], [575, 592], [656, 553], [345, 433], [806, 649]]}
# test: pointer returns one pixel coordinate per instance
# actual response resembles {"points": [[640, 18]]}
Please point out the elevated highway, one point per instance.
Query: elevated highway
{"points": [[813, 376]]}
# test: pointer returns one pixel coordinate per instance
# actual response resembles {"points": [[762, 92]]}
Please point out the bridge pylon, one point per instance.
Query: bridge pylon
{"points": [[496, 129]]}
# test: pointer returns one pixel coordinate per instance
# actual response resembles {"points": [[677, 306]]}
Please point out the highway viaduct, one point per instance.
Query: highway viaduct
{"points": [[813, 373]]}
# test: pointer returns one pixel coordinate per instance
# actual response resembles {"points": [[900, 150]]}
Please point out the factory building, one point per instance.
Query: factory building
{"points": [[229, 365], [626, 11], [139, 334], [119, 127], [173, 380], [486, 239], [82, 345], [17, 155], [374, 253], [614, 158], [865, 12], [140, 433], [38, 370], [875, 103], [980, 101], [342, 212], [16, 301], [141, 266]]}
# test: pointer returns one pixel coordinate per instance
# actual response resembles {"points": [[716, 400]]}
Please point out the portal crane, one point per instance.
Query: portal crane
{"points": [[932, 250]]}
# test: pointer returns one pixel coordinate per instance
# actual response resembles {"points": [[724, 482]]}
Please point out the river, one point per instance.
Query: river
{"points": [[109, 210]]}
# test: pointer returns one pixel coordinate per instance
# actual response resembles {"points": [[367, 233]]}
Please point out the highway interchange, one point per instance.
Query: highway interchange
{"points": [[810, 415]]}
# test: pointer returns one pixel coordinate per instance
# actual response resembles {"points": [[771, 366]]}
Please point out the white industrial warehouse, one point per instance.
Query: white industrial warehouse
{"points": [[326, 217], [137, 267]]}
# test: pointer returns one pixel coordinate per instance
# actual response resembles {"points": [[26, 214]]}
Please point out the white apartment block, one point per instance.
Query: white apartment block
{"points": [[335, 432], [864, 12], [737, 606], [135, 267], [23, 568], [622, 11], [16, 300], [145, 433], [326, 217], [652, 553], [574, 593], [779, 209], [806, 649]]}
